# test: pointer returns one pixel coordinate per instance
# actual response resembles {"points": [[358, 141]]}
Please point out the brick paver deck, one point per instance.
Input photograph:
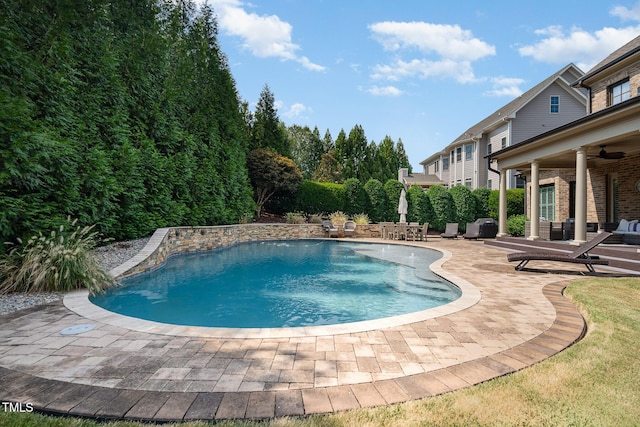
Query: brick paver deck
{"points": [[112, 371]]}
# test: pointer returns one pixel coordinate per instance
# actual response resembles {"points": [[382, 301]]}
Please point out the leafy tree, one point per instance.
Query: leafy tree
{"points": [[376, 199], [329, 169], [307, 148], [266, 131], [443, 207], [352, 151], [464, 204], [271, 172]]}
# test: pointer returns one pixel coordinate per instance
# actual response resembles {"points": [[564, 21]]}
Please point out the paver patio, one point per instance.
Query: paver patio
{"points": [[112, 371]]}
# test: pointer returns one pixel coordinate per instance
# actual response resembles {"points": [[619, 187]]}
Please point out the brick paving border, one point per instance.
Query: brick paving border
{"points": [[71, 399]]}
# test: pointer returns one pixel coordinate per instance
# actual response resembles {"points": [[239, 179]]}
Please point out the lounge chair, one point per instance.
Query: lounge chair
{"points": [[349, 229], [330, 229], [473, 231], [578, 256], [451, 231]]}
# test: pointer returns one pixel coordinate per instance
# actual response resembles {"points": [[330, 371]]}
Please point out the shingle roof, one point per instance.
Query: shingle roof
{"points": [[615, 56]]}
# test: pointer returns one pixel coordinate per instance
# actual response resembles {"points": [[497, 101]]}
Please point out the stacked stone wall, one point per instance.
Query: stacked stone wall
{"points": [[172, 241]]}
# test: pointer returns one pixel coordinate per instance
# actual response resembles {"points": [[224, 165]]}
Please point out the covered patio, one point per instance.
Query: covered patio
{"points": [[587, 171]]}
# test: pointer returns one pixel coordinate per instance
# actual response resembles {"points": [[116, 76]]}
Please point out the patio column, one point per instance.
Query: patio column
{"points": [[581, 196], [535, 201], [502, 205]]}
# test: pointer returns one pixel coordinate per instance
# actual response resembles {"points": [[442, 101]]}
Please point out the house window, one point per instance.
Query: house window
{"points": [[548, 202], [467, 183], [436, 166], [445, 164], [504, 143], [488, 148], [489, 184], [619, 92], [555, 104], [459, 154], [453, 156], [468, 152]]}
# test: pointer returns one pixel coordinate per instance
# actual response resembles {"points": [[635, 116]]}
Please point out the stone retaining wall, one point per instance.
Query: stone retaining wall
{"points": [[171, 241]]}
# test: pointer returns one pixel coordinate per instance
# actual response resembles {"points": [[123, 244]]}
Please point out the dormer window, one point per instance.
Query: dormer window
{"points": [[619, 92]]}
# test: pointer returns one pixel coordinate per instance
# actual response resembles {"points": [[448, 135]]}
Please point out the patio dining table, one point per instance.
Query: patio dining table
{"points": [[400, 231]]}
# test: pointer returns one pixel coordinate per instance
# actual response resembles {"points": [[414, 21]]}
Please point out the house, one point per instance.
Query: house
{"points": [[421, 179], [551, 103], [587, 170]]}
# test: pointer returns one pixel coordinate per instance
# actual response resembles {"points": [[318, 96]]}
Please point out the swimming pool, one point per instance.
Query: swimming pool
{"points": [[283, 284]]}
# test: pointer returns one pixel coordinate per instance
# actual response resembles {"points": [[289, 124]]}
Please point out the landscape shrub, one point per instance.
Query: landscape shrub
{"points": [[355, 198], [59, 261], [315, 197], [443, 207], [420, 209], [295, 218], [361, 218], [515, 225], [515, 202], [392, 188], [465, 205], [338, 218], [482, 202], [376, 199]]}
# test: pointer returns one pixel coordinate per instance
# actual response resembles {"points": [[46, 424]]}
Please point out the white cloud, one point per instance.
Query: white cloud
{"points": [[447, 41], [627, 14], [385, 91], [460, 71], [298, 110], [506, 86], [264, 36], [444, 51], [560, 46]]}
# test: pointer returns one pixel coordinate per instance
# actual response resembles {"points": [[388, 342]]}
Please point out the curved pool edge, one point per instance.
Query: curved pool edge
{"points": [[78, 302]]}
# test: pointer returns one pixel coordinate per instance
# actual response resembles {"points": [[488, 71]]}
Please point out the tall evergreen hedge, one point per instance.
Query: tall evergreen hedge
{"points": [[121, 114]]}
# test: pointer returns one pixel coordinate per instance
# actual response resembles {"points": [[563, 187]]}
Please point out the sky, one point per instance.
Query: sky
{"points": [[419, 71]]}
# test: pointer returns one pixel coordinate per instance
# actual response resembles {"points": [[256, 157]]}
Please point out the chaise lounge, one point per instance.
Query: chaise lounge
{"points": [[451, 231], [578, 256]]}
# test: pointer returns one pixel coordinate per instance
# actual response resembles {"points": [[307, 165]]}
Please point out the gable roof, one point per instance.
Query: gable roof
{"points": [[615, 57], [509, 110]]}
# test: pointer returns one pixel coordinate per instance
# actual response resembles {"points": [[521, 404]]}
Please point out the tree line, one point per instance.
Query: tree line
{"points": [[124, 114]]}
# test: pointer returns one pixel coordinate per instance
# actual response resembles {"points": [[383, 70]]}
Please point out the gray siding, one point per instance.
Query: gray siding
{"points": [[535, 117]]}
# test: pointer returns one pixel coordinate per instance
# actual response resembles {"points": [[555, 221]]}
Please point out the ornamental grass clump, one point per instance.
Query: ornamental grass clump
{"points": [[58, 262]]}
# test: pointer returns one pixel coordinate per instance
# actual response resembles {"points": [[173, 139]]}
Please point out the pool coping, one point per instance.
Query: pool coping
{"points": [[57, 397], [78, 302]]}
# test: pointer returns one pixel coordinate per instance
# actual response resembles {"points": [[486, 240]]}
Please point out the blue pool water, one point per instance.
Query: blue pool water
{"points": [[284, 284]]}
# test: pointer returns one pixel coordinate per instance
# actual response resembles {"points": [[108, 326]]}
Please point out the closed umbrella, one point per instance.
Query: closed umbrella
{"points": [[402, 206]]}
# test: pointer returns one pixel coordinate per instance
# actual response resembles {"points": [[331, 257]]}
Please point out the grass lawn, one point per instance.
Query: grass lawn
{"points": [[593, 383]]}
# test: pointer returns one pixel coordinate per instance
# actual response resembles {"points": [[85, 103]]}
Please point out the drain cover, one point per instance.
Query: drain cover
{"points": [[77, 329]]}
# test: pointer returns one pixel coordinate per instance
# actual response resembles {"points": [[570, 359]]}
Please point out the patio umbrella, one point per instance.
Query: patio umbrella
{"points": [[402, 206]]}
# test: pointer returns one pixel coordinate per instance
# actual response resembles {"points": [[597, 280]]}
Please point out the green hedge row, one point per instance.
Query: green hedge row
{"points": [[437, 206]]}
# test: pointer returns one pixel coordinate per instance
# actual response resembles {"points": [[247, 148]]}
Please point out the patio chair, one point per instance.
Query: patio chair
{"points": [[330, 229], [400, 231], [386, 230], [473, 231], [451, 231], [578, 256], [422, 232], [349, 229]]}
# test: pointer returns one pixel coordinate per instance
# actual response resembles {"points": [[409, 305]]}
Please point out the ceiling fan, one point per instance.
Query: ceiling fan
{"points": [[613, 155]]}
